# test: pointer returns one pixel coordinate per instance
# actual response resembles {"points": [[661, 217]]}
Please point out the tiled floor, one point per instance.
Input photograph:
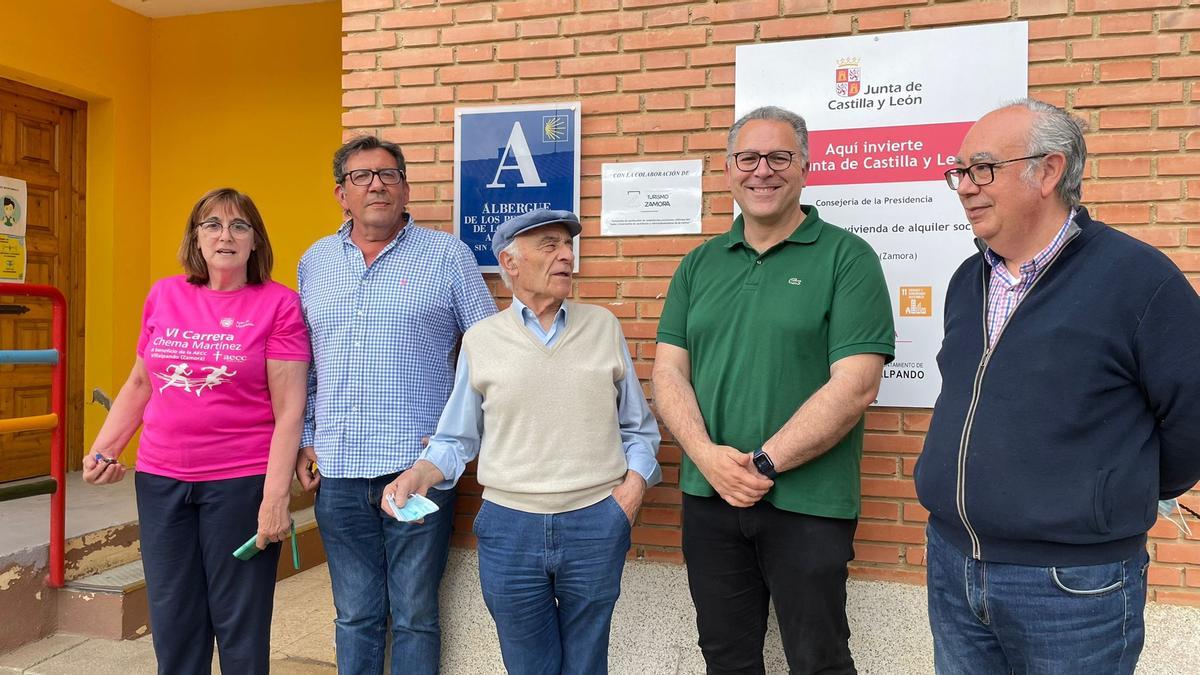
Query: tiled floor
{"points": [[653, 631]]}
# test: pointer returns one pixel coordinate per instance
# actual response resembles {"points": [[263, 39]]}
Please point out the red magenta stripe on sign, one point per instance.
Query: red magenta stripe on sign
{"points": [[915, 152]]}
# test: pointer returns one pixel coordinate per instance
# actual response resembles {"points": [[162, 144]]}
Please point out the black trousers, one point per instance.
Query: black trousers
{"points": [[196, 589], [738, 560]]}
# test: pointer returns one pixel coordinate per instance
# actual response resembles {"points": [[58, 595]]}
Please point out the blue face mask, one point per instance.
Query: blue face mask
{"points": [[416, 508], [1168, 506]]}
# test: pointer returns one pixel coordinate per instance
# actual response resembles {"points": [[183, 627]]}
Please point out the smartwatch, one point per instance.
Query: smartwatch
{"points": [[765, 466]]}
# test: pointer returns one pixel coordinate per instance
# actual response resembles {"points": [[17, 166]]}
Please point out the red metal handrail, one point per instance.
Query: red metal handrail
{"points": [[58, 405]]}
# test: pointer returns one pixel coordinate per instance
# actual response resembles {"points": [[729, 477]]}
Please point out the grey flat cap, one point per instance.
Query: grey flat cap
{"points": [[512, 227]]}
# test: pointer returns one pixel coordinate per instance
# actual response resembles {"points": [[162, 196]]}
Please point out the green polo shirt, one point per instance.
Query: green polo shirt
{"points": [[761, 331]]}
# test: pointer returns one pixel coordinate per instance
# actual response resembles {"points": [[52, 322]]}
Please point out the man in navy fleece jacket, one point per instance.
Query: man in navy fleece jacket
{"points": [[1070, 405]]}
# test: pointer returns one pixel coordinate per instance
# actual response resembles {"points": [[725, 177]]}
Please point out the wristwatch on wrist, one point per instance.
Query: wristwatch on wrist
{"points": [[765, 466]]}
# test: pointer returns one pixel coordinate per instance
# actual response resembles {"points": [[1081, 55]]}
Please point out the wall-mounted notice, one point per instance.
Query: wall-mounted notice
{"points": [[650, 198], [509, 160], [886, 115], [14, 197]]}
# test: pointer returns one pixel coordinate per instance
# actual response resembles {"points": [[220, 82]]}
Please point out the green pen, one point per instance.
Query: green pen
{"points": [[295, 548]]}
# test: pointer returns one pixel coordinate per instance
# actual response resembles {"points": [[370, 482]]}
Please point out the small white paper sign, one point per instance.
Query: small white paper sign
{"points": [[640, 198], [14, 198]]}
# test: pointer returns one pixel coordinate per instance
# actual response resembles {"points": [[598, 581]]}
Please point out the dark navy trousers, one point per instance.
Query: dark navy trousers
{"points": [[197, 590]]}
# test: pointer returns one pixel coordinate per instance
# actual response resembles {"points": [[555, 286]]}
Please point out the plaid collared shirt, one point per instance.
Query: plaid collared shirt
{"points": [[383, 339], [1005, 291]]}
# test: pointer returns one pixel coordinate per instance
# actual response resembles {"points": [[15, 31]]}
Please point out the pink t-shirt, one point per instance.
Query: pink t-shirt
{"points": [[209, 415]]}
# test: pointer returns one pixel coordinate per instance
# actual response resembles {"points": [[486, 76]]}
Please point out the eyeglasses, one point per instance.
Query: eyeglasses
{"points": [[982, 173], [239, 229], [363, 177], [748, 160]]}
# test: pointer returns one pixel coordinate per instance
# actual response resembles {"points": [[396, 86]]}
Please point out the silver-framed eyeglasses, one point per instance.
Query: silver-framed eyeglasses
{"points": [[981, 173], [239, 229], [363, 177], [748, 160]]}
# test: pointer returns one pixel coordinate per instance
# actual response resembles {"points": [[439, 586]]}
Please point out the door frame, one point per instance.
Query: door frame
{"points": [[76, 268]]}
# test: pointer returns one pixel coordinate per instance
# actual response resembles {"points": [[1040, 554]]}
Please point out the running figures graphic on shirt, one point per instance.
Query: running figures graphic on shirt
{"points": [[177, 375]]}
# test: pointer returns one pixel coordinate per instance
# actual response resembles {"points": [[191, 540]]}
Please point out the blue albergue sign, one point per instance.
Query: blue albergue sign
{"points": [[509, 160]]}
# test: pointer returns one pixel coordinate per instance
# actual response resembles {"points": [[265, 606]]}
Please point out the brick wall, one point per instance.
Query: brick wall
{"points": [[656, 81]]}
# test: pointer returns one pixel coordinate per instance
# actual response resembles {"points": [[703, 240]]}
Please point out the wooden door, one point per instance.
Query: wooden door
{"points": [[42, 141]]}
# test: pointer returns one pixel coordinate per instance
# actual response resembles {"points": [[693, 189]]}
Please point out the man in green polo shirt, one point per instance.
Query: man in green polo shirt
{"points": [[770, 348]]}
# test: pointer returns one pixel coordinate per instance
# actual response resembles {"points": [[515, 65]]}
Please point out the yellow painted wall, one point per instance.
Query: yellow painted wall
{"points": [[98, 52], [249, 100], [177, 106]]}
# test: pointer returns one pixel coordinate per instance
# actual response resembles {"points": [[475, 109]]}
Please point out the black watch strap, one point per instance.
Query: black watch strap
{"points": [[765, 466]]}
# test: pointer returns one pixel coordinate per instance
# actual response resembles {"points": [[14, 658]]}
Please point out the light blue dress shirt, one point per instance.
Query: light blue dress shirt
{"points": [[383, 338], [460, 428]]}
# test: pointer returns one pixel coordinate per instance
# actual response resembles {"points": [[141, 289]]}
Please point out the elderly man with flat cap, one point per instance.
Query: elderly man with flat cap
{"points": [[546, 395]]}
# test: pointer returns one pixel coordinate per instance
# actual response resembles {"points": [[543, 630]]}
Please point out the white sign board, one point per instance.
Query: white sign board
{"points": [[650, 198], [14, 198], [886, 115]]}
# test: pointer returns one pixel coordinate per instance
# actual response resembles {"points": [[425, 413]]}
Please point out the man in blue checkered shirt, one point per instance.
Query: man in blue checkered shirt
{"points": [[386, 302]]}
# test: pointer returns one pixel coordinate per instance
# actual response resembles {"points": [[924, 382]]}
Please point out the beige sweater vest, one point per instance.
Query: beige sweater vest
{"points": [[551, 439]]}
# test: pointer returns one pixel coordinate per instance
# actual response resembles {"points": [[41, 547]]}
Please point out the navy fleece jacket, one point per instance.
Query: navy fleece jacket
{"points": [[1054, 447]]}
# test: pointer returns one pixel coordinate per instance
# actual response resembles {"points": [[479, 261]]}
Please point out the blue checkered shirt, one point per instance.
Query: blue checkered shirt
{"points": [[383, 341], [1006, 291]]}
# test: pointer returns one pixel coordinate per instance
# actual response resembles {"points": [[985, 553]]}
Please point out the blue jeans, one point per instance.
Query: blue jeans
{"points": [[1000, 618], [377, 566], [550, 582]]}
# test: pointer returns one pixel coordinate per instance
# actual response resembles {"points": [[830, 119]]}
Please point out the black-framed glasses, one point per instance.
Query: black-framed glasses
{"points": [[363, 177], [982, 173], [239, 229], [748, 160]]}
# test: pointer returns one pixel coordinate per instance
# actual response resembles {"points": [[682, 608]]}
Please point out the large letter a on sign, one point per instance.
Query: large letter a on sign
{"points": [[518, 149]]}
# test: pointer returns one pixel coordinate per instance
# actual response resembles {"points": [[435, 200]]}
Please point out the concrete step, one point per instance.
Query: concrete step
{"points": [[122, 579], [112, 604], [105, 594], [28, 608]]}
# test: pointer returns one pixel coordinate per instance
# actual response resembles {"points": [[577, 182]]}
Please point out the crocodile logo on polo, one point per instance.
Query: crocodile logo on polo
{"points": [[794, 281]]}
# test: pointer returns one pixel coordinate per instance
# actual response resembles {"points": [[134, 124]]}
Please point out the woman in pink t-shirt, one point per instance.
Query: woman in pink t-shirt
{"points": [[218, 388]]}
